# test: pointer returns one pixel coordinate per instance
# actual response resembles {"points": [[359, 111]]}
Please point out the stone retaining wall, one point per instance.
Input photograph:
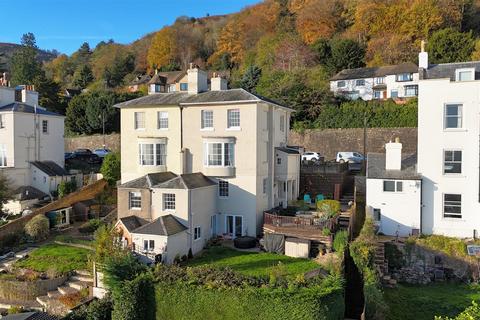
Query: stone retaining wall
{"points": [[112, 142], [13, 290]]}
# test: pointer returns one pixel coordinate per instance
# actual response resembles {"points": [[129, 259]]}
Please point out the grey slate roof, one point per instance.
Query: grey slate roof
{"points": [[133, 222], [447, 70], [287, 150], [149, 180], [26, 108], [28, 193], [169, 180], [179, 98], [30, 316], [50, 168], [163, 226], [142, 79], [371, 72], [376, 168]]}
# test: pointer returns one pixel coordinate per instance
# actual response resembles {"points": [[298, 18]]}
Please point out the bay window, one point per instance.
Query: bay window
{"points": [[218, 154], [152, 154]]}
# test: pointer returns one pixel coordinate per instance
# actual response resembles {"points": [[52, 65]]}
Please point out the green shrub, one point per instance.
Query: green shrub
{"points": [[471, 313], [66, 187], [329, 207], [111, 168], [90, 226], [135, 299], [451, 246], [38, 228], [340, 242], [100, 309], [326, 232]]}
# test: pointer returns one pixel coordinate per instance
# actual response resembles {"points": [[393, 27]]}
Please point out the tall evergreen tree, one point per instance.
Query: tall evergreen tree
{"points": [[83, 76], [250, 78], [49, 94], [24, 65]]}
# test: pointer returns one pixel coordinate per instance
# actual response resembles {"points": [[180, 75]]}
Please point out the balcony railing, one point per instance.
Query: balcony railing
{"points": [[300, 222]]}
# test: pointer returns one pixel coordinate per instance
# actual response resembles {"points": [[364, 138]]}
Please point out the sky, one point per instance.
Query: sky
{"points": [[65, 24]]}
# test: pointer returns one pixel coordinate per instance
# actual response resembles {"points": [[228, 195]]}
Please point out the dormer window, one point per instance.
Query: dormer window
{"points": [[465, 74]]}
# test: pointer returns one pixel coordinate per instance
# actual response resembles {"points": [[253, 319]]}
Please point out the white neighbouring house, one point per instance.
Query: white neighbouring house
{"points": [[31, 141], [394, 191], [448, 155], [232, 139], [377, 83]]}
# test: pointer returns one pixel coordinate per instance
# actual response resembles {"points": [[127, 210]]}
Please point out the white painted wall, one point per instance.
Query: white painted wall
{"points": [[433, 139], [400, 211]]}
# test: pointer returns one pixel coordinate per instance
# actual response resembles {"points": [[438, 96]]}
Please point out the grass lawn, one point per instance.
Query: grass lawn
{"points": [[251, 263], [59, 257], [424, 302]]}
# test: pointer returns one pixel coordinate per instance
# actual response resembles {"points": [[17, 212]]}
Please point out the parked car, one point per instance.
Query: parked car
{"points": [[85, 155], [68, 155], [311, 156], [102, 152], [350, 157]]}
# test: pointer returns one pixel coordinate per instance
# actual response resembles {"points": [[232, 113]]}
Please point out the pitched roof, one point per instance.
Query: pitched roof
{"points": [[28, 193], [376, 168], [183, 98], [287, 150], [30, 316], [149, 180], [26, 108], [372, 72], [132, 222], [163, 226], [50, 168], [141, 79], [447, 70], [158, 79], [169, 180]]}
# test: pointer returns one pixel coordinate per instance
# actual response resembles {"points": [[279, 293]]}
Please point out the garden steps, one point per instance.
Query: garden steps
{"points": [[81, 278], [54, 294], [83, 273], [64, 290], [79, 285]]}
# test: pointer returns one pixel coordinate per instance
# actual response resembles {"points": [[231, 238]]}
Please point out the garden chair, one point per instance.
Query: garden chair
{"points": [[307, 199], [320, 197]]}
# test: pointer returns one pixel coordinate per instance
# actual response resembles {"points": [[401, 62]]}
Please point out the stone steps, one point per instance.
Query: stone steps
{"points": [[64, 290], [82, 278], [46, 300], [79, 285], [54, 294], [83, 273]]}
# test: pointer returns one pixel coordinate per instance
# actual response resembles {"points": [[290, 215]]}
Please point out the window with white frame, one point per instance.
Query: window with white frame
{"points": [[207, 119], [139, 120], [150, 154], [218, 154], [168, 201], [404, 77], [453, 116], [3, 155], [172, 88], [394, 93], [233, 118], [265, 185], [282, 123], [452, 161], [45, 126], [360, 82], [379, 80], [162, 120], [411, 91], [223, 188], [392, 186], [377, 94], [148, 245], [341, 84], [465, 74], [184, 86], [452, 205], [197, 233], [2, 121], [135, 200]]}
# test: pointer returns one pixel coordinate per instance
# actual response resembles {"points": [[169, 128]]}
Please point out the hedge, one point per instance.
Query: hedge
{"points": [[351, 114], [185, 301]]}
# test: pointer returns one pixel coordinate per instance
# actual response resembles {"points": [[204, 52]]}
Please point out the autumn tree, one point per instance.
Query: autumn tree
{"points": [[291, 53], [163, 49], [449, 45]]}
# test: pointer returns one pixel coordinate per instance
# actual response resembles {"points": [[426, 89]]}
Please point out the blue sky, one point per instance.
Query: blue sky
{"points": [[65, 24]]}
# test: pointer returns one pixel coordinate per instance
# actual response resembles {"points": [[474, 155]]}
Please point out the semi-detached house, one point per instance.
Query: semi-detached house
{"points": [[232, 143]]}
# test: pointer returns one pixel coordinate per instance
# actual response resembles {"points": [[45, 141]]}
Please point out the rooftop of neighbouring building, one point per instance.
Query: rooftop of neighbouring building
{"points": [[169, 180], [28, 193], [449, 70], [376, 163], [50, 168], [374, 72], [132, 222], [183, 98], [25, 108]]}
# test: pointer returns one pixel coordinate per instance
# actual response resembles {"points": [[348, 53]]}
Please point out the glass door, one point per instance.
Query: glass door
{"points": [[234, 225], [238, 226]]}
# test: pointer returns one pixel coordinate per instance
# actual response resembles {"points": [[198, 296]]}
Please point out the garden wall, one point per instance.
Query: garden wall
{"points": [[112, 142], [182, 301], [87, 192], [13, 290], [330, 141]]}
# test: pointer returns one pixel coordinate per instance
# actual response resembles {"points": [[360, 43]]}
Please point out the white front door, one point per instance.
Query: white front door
{"points": [[234, 225]]}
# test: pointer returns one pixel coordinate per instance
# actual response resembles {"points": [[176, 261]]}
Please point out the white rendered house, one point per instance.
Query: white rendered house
{"points": [[233, 137], [379, 83], [30, 137], [394, 192]]}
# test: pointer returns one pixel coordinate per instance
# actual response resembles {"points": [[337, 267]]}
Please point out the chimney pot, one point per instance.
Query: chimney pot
{"points": [[423, 57], [393, 155]]}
